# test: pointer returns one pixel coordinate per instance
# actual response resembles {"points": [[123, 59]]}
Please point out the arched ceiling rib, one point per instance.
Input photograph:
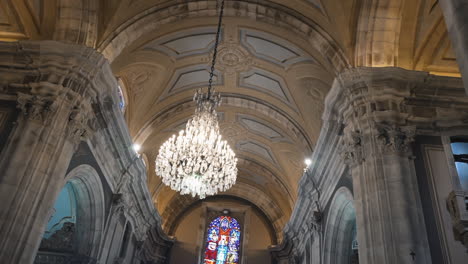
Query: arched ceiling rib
{"points": [[259, 75], [277, 60]]}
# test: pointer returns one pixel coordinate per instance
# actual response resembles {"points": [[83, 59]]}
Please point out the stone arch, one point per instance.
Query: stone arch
{"points": [[77, 22], [276, 217], [91, 209], [378, 33], [341, 221], [262, 10]]}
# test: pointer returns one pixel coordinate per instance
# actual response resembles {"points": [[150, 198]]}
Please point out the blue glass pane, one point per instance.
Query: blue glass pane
{"points": [[462, 169], [64, 210], [459, 148], [122, 100]]}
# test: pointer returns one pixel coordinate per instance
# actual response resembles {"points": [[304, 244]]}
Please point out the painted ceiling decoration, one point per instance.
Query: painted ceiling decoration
{"points": [[11, 26], [189, 78], [273, 49], [265, 81], [257, 148], [318, 5], [184, 43], [181, 124], [261, 128]]}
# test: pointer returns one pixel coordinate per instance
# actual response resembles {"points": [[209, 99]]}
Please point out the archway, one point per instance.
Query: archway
{"points": [[76, 221], [340, 244]]}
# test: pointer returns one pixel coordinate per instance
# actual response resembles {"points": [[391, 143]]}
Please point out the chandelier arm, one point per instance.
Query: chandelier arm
{"points": [[198, 161], [213, 62]]}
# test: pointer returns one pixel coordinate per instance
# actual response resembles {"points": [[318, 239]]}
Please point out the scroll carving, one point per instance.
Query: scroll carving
{"points": [[395, 139], [352, 151], [77, 124], [36, 107]]}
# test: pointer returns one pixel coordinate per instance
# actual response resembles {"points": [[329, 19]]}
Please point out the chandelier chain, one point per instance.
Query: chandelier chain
{"points": [[215, 53], [197, 160]]}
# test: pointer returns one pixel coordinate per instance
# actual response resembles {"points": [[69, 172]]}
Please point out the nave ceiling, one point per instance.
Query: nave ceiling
{"points": [[277, 61]]}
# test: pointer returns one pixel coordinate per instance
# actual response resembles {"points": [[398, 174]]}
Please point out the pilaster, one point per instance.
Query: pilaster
{"points": [[379, 127], [52, 85]]}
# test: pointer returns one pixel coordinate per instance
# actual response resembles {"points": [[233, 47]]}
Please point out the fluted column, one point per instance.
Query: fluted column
{"points": [[377, 147], [33, 166], [52, 115], [389, 214]]}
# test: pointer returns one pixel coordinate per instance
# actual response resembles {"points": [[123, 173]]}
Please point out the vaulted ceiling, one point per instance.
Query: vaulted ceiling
{"points": [[277, 61]]}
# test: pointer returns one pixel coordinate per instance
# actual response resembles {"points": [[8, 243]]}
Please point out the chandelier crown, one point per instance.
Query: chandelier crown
{"points": [[198, 161]]}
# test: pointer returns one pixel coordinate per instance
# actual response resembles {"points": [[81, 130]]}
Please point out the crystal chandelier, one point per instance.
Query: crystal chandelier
{"points": [[198, 161]]}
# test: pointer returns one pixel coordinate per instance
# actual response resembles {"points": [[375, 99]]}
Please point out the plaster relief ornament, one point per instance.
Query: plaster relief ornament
{"points": [[198, 161], [233, 58]]}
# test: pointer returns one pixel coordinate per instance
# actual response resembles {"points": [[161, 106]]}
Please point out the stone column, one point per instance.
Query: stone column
{"points": [[389, 215], [51, 119], [377, 147], [456, 19]]}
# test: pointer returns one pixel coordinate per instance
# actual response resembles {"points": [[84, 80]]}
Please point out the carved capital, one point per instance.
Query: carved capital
{"points": [[352, 151], [77, 124], [118, 202], [394, 139], [36, 107]]}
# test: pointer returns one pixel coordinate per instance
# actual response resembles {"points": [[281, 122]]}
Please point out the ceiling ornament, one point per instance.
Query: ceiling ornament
{"points": [[198, 161], [233, 58]]}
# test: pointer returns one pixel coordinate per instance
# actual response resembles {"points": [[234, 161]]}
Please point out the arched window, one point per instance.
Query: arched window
{"points": [[122, 99], [59, 234], [223, 241]]}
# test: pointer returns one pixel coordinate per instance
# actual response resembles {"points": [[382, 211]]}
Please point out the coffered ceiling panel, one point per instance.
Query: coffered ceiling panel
{"points": [[185, 43], [261, 128], [257, 148], [191, 77], [274, 49]]}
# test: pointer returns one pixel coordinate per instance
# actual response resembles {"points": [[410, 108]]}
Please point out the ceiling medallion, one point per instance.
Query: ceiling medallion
{"points": [[198, 161], [233, 58]]}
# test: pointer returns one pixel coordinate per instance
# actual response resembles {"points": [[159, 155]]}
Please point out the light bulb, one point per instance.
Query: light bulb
{"points": [[308, 162], [136, 147]]}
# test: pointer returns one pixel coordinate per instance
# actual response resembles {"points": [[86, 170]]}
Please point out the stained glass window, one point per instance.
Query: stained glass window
{"points": [[122, 99], [223, 241]]}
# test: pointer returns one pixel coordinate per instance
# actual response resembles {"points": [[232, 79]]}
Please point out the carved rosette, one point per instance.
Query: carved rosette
{"points": [[233, 58], [36, 107], [352, 151], [394, 139]]}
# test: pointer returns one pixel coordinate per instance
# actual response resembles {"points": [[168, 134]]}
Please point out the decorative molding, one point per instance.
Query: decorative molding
{"points": [[394, 139], [36, 107], [273, 49], [191, 77], [11, 26], [269, 83], [185, 43], [77, 124], [257, 148], [352, 149], [233, 58], [262, 128]]}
